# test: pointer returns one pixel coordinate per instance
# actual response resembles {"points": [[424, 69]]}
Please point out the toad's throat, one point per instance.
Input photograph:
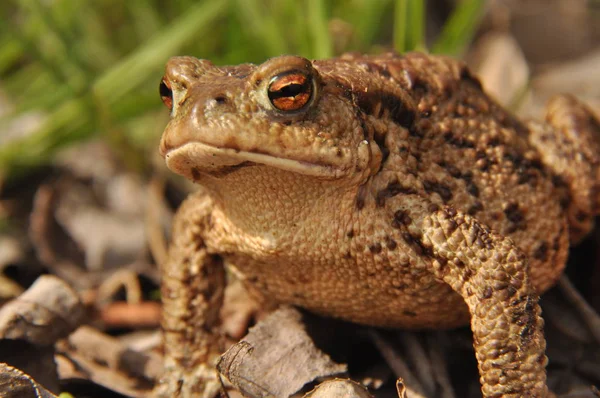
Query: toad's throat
{"points": [[193, 158]]}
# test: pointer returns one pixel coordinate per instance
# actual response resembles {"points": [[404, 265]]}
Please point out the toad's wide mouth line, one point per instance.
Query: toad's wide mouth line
{"points": [[193, 157]]}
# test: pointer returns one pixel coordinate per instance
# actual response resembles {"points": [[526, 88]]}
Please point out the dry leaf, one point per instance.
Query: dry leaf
{"points": [[339, 388], [108, 362], [276, 358], [49, 310], [16, 384]]}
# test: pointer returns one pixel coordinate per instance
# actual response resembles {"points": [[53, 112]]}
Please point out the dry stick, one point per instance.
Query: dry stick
{"points": [[156, 238], [589, 315], [395, 362], [589, 369], [420, 360], [123, 315], [559, 312], [100, 348], [40, 231], [440, 370], [123, 278]]}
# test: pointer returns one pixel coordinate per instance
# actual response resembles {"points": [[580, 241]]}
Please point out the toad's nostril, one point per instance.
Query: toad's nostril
{"points": [[166, 94], [221, 99]]}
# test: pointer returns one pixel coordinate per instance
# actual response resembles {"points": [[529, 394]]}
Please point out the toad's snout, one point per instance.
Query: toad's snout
{"points": [[194, 96], [180, 75]]}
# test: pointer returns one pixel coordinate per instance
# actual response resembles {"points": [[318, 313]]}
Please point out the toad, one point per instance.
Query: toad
{"points": [[385, 190]]}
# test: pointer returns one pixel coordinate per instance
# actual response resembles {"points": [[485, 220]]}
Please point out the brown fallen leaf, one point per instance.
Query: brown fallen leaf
{"points": [[501, 67], [108, 362], [118, 236], [48, 311], [239, 308], [339, 388], [276, 358], [30, 325], [35, 361], [14, 383]]}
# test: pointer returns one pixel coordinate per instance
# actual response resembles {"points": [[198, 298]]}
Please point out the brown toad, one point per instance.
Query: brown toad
{"points": [[385, 190]]}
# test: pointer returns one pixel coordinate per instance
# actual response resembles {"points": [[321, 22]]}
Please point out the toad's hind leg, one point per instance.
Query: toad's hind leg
{"points": [[569, 143], [192, 289], [491, 275]]}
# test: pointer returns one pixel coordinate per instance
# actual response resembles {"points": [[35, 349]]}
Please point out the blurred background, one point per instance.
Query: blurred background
{"points": [[83, 192]]}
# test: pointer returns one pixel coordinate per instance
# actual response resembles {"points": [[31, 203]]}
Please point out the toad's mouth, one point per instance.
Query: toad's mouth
{"points": [[194, 158]]}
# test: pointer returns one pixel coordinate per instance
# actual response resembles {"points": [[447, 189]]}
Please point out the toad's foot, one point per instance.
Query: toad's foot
{"points": [[569, 142], [201, 382]]}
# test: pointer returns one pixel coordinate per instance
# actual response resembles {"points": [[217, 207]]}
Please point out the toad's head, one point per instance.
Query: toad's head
{"points": [[288, 113]]}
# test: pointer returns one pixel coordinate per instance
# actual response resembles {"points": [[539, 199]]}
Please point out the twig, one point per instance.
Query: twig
{"points": [[395, 362], [588, 314]]}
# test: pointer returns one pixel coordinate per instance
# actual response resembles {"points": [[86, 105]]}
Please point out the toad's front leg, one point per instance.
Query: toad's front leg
{"points": [[192, 288], [491, 274]]}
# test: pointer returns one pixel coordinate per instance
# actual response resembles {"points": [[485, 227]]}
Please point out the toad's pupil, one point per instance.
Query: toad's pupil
{"points": [[290, 90], [166, 94]]}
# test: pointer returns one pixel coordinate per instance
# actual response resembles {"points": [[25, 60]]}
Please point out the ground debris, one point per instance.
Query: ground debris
{"points": [[49, 310], [30, 325], [16, 384], [339, 388], [276, 358], [93, 355]]}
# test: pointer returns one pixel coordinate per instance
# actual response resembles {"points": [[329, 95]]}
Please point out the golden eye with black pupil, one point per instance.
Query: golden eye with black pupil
{"points": [[166, 94], [290, 91]]}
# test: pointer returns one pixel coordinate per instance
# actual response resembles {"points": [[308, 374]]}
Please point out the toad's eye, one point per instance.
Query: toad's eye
{"points": [[166, 94], [290, 91]]}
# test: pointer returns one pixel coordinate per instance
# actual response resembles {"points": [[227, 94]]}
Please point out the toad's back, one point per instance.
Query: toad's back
{"points": [[442, 138]]}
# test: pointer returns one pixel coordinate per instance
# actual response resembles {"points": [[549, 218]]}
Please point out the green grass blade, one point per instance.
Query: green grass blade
{"points": [[145, 17], [260, 23], [415, 39], [10, 52], [367, 17], [409, 31], [460, 28], [400, 25], [322, 46], [137, 67], [45, 38]]}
